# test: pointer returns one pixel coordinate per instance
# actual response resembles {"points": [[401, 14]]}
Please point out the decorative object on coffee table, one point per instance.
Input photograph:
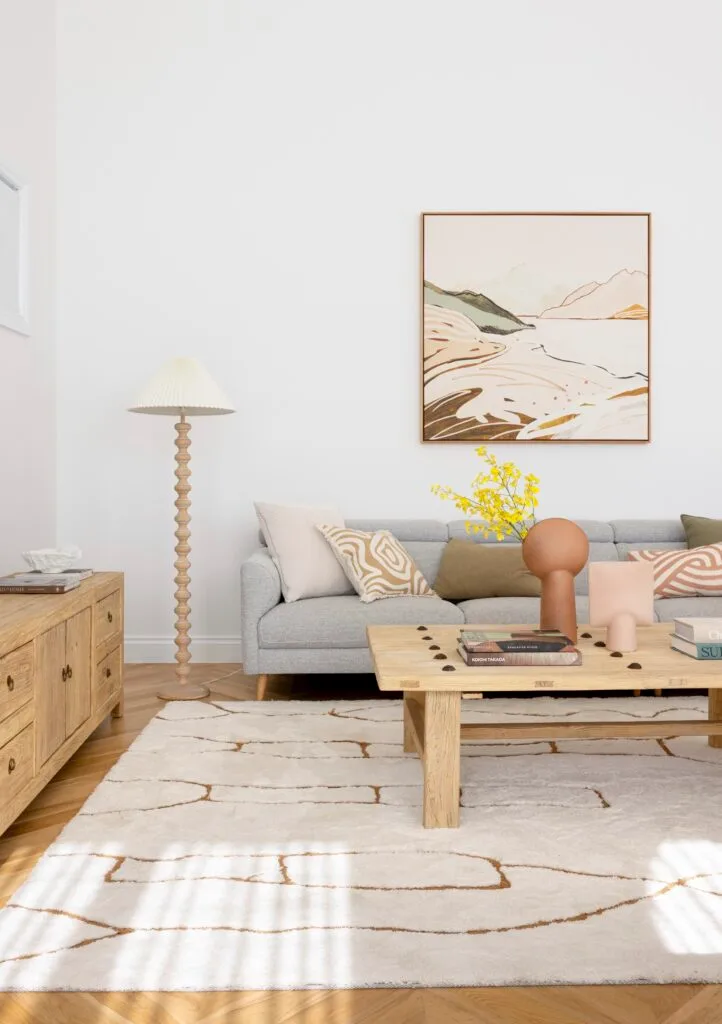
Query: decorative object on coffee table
{"points": [[621, 597], [556, 550], [496, 499], [182, 388]]}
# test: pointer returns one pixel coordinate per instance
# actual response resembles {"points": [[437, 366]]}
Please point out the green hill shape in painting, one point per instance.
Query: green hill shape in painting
{"points": [[481, 310]]}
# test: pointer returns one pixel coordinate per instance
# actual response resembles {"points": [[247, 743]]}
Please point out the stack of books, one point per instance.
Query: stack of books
{"points": [[517, 647], [698, 638], [43, 582]]}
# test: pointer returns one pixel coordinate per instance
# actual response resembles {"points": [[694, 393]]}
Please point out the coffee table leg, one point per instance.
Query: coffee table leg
{"points": [[413, 723], [442, 755], [715, 714]]}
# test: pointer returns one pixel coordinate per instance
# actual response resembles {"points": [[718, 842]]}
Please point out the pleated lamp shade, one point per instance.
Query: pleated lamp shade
{"points": [[182, 386]]}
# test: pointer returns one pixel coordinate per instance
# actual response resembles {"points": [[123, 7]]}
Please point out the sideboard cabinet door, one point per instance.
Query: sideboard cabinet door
{"points": [[78, 670], [51, 682]]}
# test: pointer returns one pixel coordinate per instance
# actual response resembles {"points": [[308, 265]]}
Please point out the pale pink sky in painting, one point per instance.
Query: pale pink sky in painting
{"points": [[528, 263]]}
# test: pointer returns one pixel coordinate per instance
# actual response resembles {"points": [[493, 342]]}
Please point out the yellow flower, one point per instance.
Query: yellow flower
{"points": [[496, 499]]}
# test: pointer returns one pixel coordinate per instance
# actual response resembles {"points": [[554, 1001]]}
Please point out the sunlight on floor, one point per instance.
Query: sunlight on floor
{"points": [[688, 918]]}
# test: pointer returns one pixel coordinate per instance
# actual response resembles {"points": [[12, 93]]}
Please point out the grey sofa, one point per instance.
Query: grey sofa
{"points": [[328, 634]]}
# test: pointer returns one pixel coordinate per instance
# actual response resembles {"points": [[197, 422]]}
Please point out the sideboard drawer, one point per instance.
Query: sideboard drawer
{"points": [[108, 677], [16, 679], [16, 764], [107, 617]]}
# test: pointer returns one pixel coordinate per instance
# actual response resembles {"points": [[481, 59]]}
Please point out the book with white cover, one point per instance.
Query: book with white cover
{"points": [[702, 651], [699, 631]]}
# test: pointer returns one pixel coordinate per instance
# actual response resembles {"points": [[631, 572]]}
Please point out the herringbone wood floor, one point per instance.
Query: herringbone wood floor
{"points": [[40, 824]]}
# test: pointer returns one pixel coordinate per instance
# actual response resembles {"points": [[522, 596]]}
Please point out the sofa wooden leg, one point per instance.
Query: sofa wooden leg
{"points": [[261, 684]]}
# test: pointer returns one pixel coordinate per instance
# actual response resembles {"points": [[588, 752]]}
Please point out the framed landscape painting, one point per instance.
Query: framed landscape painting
{"points": [[535, 327]]}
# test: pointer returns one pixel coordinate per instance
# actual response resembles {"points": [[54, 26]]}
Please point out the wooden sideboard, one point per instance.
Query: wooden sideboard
{"points": [[61, 673]]}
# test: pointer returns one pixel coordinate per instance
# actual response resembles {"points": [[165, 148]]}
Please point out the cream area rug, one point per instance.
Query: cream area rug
{"points": [[279, 845]]}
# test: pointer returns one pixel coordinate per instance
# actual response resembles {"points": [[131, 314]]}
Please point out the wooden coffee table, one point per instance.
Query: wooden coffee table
{"points": [[425, 664]]}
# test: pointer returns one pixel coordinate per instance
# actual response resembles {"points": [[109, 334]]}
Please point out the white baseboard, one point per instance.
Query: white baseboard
{"points": [[204, 649]]}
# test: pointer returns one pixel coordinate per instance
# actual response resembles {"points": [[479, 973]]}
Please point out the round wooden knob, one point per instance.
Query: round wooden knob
{"points": [[68, 672], [107, 673], [10, 683], [64, 674], [110, 616], [11, 766]]}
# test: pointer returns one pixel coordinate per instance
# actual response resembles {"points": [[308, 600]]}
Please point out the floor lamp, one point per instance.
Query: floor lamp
{"points": [[182, 388]]}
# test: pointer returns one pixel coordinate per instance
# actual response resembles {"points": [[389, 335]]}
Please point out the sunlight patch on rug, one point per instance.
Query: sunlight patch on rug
{"points": [[243, 845]]}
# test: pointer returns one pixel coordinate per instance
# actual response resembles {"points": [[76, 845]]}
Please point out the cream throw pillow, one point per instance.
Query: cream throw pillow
{"points": [[376, 563], [305, 563]]}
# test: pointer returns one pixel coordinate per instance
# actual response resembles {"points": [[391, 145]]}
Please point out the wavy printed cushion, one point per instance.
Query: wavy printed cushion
{"points": [[697, 571], [376, 563]]}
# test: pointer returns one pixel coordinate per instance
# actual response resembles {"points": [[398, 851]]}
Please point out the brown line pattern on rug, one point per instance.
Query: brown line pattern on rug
{"points": [[504, 929], [553, 715], [282, 858]]}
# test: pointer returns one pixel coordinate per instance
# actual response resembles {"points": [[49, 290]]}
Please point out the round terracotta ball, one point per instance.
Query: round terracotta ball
{"points": [[555, 544]]}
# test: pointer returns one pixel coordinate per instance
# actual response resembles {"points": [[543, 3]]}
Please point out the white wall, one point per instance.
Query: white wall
{"points": [[27, 364], [242, 181]]}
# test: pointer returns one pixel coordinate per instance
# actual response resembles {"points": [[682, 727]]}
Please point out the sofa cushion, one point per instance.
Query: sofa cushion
{"points": [[623, 549], [306, 565], [700, 530], [647, 531], [595, 529], [403, 529], [378, 564], [511, 611], [688, 573], [427, 554], [469, 571], [666, 609], [599, 551], [342, 621]]}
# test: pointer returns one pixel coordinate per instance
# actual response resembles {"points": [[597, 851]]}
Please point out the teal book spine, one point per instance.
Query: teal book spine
{"points": [[709, 651]]}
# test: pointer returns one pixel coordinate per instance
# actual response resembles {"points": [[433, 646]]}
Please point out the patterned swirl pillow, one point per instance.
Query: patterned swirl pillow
{"points": [[376, 563], [696, 571]]}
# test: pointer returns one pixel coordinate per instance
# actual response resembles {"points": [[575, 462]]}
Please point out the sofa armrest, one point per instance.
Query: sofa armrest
{"points": [[260, 591]]}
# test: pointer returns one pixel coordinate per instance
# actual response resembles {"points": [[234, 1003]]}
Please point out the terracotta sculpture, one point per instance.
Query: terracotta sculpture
{"points": [[556, 550]]}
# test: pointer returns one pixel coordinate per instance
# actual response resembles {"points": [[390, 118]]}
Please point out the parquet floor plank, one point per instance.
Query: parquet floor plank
{"points": [[40, 824]]}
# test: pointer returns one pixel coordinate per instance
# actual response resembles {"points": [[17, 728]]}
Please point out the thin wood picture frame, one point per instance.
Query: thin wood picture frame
{"points": [[525, 311], [14, 312]]}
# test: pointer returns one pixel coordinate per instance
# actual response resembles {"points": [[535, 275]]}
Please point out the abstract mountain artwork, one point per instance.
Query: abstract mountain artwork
{"points": [[536, 327]]}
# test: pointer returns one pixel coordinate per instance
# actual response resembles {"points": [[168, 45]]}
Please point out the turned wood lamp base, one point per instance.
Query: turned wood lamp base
{"points": [[182, 387], [183, 691]]}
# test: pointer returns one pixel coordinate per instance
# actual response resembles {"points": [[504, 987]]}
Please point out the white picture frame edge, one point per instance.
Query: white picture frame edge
{"points": [[18, 320]]}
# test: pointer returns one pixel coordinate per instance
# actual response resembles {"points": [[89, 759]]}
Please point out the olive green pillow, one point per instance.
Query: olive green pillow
{"points": [[470, 570], [701, 531]]}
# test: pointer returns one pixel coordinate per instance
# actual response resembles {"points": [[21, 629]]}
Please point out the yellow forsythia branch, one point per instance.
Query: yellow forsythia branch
{"points": [[500, 496]]}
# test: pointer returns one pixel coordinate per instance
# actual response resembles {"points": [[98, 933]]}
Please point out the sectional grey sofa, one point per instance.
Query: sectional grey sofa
{"points": [[328, 634]]}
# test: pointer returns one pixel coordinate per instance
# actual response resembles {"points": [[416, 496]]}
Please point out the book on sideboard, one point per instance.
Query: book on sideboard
{"points": [[42, 583]]}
